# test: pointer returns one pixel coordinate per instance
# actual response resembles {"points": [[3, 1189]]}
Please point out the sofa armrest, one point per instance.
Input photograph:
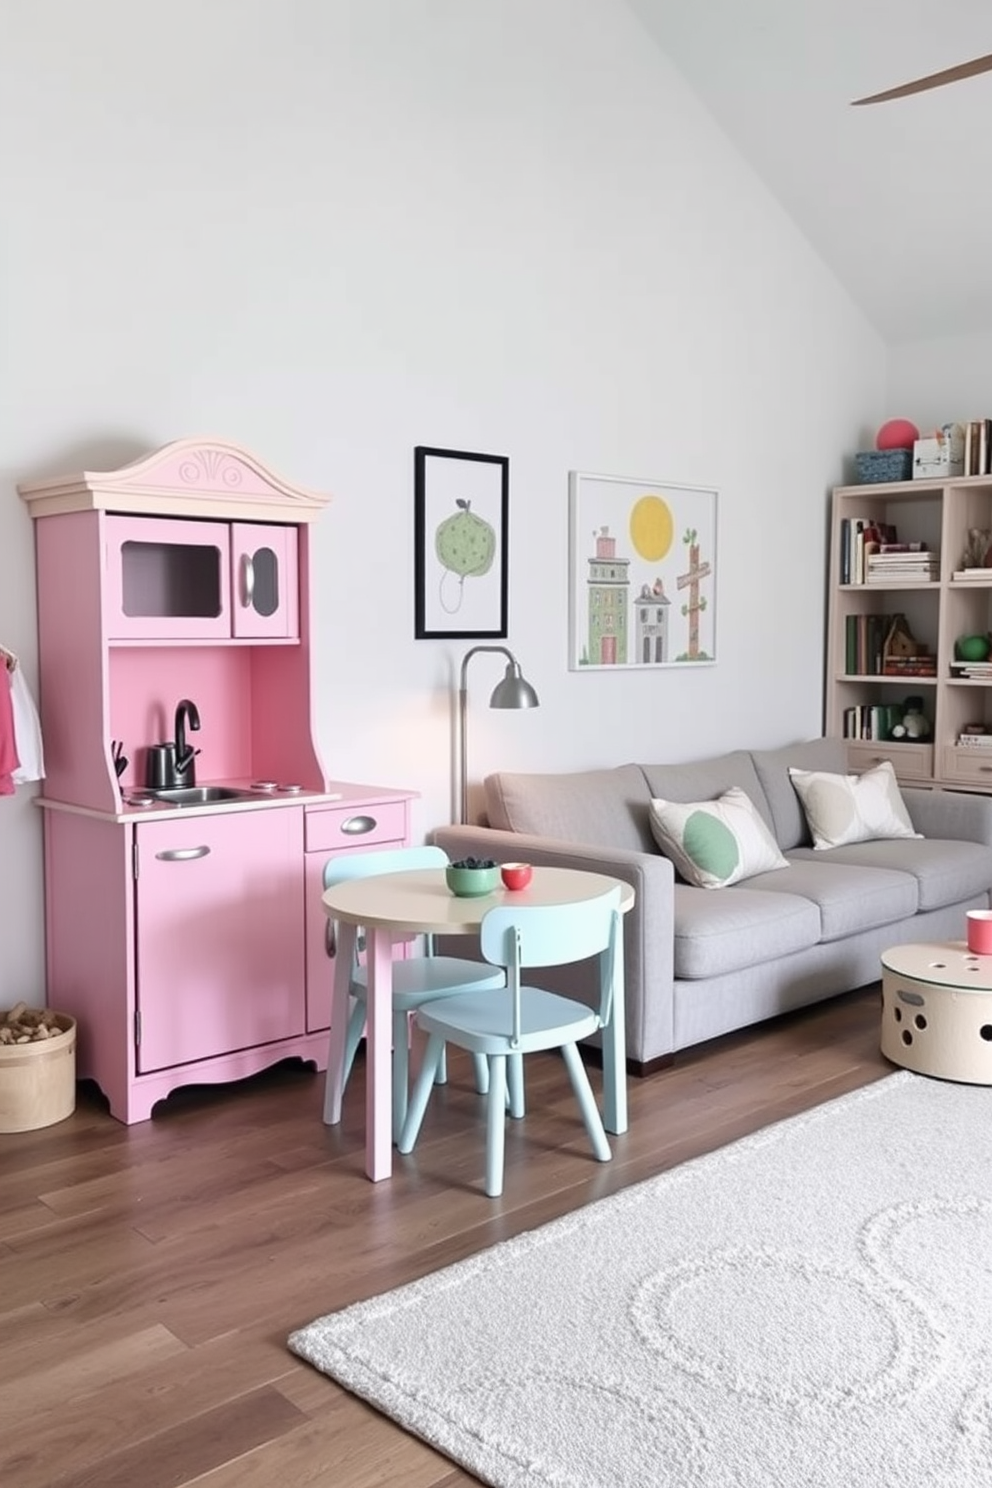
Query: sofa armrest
{"points": [[648, 927], [951, 815]]}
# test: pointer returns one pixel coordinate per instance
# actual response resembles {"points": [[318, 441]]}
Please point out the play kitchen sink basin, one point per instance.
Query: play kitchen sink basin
{"points": [[200, 795]]}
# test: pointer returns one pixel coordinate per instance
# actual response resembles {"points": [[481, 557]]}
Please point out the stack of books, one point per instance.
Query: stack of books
{"points": [[972, 575], [975, 741], [902, 563], [976, 671]]}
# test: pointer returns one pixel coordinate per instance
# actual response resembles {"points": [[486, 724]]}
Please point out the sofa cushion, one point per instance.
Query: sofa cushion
{"points": [[738, 927], [606, 807], [849, 898], [704, 780], [772, 769], [841, 809], [715, 843], [946, 872]]}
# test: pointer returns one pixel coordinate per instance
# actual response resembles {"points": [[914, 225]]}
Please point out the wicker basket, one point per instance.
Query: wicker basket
{"points": [[883, 465], [38, 1080]]}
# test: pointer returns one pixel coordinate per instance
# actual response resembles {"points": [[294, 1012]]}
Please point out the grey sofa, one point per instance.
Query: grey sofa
{"points": [[702, 962]]}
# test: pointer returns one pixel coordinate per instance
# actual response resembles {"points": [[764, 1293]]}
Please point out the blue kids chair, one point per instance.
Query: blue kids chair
{"points": [[522, 1019]]}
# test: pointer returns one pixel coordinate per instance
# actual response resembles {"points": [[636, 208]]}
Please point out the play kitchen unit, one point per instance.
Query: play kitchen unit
{"points": [[187, 814]]}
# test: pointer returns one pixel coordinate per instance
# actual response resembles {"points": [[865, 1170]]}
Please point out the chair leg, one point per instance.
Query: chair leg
{"points": [[356, 1027], [441, 1078], [515, 1083], [587, 1101], [495, 1125], [481, 1064], [420, 1094], [401, 1071]]}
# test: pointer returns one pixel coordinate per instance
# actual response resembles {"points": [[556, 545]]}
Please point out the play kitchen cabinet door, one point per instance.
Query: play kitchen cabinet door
{"points": [[329, 834], [264, 575], [170, 579], [219, 934]]}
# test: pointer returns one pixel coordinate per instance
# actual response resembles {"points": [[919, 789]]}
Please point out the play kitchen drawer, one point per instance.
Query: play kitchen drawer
{"points": [[333, 828]]}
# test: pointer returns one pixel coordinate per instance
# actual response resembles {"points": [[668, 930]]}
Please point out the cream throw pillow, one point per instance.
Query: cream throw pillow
{"points": [[715, 843], [841, 809]]}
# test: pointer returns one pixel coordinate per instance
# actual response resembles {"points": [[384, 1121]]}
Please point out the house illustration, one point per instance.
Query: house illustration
{"points": [[652, 608], [608, 585]]}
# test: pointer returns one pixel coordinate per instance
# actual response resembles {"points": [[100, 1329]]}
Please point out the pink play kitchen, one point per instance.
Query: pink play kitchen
{"points": [[187, 813]]}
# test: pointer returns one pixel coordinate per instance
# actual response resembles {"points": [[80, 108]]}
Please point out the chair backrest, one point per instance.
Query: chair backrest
{"points": [[554, 935], [367, 864], [352, 865]]}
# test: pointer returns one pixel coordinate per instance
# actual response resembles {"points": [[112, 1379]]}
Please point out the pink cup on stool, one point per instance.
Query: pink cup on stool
{"points": [[519, 875], [980, 931]]}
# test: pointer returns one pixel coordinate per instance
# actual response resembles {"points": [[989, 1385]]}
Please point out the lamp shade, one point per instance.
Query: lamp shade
{"points": [[514, 691]]}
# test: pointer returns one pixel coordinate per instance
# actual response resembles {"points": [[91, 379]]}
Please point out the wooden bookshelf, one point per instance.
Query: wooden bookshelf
{"points": [[934, 607]]}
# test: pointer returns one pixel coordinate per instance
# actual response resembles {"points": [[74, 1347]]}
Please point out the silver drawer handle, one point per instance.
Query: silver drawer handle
{"points": [[357, 826], [181, 854]]}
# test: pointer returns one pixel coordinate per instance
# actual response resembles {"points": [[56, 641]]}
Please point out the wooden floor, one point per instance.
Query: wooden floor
{"points": [[149, 1275]]}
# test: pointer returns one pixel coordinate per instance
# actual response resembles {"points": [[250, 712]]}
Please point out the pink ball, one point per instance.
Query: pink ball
{"points": [[896, 434]]}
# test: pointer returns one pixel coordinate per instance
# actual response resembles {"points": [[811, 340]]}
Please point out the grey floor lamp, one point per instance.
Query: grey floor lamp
{"points": [[513, 692]]}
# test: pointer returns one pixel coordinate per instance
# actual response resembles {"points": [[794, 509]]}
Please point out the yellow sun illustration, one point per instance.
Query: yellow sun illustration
{"points": [[651, 527]]}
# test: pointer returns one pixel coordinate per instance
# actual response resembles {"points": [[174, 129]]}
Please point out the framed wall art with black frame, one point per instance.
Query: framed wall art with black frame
{"points": [[461, 533], [642, 573]]}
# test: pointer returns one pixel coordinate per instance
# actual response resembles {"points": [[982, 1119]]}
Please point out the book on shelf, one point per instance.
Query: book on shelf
{"points": [[871, 721], [885, 568], [859, 537], [972, 575], [974, 741], [977, 447]]}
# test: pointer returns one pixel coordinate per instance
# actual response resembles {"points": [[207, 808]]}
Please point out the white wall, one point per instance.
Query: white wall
{"points": [[335, 229], [941, 381]]}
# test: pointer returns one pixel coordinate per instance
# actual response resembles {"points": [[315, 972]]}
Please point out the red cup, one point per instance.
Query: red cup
{"points": [[980, 931], [519, 875]]}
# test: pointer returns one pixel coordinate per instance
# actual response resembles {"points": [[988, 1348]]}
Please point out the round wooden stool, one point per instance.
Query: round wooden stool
{"points": [[937, 1010]]}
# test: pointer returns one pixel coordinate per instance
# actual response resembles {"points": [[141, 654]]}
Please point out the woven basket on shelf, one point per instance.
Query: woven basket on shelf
{"points": [[883, 465]]}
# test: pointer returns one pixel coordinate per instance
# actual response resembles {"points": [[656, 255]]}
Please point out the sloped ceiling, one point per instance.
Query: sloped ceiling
{"points": [[895, 197]]}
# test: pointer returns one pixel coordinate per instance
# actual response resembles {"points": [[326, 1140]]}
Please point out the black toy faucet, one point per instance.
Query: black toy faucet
{"points": [[186, 714]]}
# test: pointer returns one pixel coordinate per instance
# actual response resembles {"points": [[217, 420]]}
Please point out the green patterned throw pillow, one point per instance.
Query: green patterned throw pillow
{"points": [[715, 843]]}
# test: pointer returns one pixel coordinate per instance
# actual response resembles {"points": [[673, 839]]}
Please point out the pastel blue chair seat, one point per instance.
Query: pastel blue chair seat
{"points": [[416, 979], [520, 1020]]}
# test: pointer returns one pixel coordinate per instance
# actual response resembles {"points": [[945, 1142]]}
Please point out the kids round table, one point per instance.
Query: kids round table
{"points": [[937, 1010], [396, 905]]}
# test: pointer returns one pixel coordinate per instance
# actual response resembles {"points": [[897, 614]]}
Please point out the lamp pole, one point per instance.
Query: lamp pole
{"points": [[513, 692]]}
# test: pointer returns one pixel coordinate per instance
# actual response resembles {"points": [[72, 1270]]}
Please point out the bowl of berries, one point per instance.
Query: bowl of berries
{"points": [[471, 877]]}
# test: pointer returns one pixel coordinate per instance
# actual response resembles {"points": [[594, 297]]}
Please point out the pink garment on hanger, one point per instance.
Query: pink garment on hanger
{"points": [[9, 761]]}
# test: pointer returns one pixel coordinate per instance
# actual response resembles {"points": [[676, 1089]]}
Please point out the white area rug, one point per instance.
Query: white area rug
{"points": [[808, 1308]]}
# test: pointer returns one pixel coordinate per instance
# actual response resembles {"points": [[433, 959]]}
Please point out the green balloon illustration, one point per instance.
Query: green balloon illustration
{"points": [[465, 545]]}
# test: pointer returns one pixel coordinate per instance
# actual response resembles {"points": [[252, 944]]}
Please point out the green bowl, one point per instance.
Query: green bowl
{"points": [[470, 883]]}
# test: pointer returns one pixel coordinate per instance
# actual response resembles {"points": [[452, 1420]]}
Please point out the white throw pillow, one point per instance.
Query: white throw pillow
{"points": [[841, 809], [715, 843]]}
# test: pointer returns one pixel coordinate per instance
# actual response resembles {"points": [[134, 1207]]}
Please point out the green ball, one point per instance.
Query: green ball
{"points": [[974, 648]]}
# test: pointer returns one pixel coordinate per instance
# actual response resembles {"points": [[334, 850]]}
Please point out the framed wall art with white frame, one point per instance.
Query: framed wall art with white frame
{"points": [[642, 573]]}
